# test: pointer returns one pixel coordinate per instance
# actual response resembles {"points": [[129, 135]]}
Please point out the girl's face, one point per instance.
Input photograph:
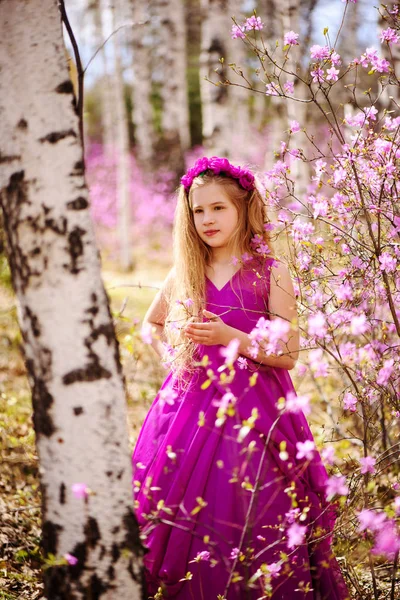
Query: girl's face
{"points": [[215, 215]]}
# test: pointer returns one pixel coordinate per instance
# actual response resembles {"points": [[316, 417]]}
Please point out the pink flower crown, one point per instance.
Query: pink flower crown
{"points": [[219, 166]]}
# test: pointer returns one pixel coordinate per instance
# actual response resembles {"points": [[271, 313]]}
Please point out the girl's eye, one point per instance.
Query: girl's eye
{"points": [[198, 210]]}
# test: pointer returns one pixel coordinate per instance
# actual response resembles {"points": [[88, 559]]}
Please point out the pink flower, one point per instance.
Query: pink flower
{"points": [[387, 541], [317, 75], [204, 555], [219, 165], [332, 74], [358, 325], [294, 126], [328, 455], [397, 505], [296, 404], [388, 262], [188, 302], [319, 52], [368, 464], [237, 32], [288, 87], [254, 23], [349, 402], [305, 449], [273, 569], [231, 351], [370, 519], [385, 372], [242, 362], [296, 534], [390, 36], [72, 560], [290, 39], [146, 333], [80, 490], [336, 485], [234, 553], [317, 325], [167, 396], [271, 89]]}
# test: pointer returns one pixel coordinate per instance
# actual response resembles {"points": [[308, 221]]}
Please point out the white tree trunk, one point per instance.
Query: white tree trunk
{"points": [[171, 31], [70, 346], [142, 116], [215, 43], [123, 156], [108, 121]]}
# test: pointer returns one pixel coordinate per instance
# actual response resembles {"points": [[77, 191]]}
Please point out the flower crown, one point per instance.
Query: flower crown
{"points": [[219, 166]]}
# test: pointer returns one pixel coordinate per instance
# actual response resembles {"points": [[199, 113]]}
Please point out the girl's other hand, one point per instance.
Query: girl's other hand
{"points": [[209, 333]]}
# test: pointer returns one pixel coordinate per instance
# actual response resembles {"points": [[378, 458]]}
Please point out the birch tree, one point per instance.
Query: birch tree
{"points": [[70, 347], [171, 32], [142, 116], [215, 34]]}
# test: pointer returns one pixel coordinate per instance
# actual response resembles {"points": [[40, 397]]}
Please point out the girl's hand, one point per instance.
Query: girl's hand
{"points": [[211, 333]]}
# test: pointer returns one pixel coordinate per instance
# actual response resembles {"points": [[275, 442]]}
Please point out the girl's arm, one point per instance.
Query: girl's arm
{"points": [[282, 304], [157, 313]]}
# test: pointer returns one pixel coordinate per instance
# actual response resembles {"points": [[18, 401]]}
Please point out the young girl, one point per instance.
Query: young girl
{"points": [[229, 489]]}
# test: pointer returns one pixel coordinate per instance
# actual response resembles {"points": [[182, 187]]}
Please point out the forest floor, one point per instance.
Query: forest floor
{"points": [[21, 559]]}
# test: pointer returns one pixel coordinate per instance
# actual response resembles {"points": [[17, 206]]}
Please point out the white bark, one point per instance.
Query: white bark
{"points": [[70, 346], [123, 156], [215, 34], [142, 116], [108, 121], [170, 15]]}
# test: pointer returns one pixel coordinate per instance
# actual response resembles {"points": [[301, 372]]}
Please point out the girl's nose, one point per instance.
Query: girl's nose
{"points": [[208, 218]]}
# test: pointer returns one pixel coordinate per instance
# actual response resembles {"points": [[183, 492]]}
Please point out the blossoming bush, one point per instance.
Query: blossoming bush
{"points": [[343, 235]]}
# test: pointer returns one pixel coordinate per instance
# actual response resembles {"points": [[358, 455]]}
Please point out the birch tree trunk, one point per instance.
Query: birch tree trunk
{"points": [[123, 155], [174, 92], [108, 121], [70, 346], [215, 32], [142, 116]]}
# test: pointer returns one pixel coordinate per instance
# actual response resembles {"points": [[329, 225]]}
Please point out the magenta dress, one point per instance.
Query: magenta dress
{"points": [[215, 509]]}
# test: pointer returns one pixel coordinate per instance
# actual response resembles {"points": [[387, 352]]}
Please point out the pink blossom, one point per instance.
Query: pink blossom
{"points": [[358, 324], [397, 505], [294, 126], [332, 74], [319, 52], [204, 555], [318, 366], [388, 262], [72, 560], [305, 449], [385, 372], [328, 455], [272, 89], [370, 519], [335, 59], [167, 396], [80, 490], [289, 87], [336, 485], [273, 569], [317, 325], [254, 23], [317, 75], [349, 402], [296, 534], [390, 36], [234, 553], [387, 540], [290, 39], [367, 464], [188, 302], [237, 32], [231, 351], [295, 403], [242, 362]]}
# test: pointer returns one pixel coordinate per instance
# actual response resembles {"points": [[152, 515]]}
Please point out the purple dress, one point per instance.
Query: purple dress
{"points": [[215, 507]]}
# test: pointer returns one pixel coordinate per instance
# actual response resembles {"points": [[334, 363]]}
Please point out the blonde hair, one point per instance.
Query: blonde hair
{"points": [[192, 255]]}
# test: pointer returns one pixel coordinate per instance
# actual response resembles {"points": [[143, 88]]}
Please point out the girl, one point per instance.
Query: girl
{"points": [[229, 489]]}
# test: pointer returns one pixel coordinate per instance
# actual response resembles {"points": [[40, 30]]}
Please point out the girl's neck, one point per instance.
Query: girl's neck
{"points": [[221, 256]]}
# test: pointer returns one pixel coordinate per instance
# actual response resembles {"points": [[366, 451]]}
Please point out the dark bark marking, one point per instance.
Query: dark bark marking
{"points": [[115, 552], [75, 249], [97, 587], [62, 493], [60, 227], [92, 532], [56, 136], [119, 475], [7, 159], [78, 410], [65, 87], [79, 203], [80, 552], [50, 533], [22, 124], [78, 170], [42, 400], [33, 321], [111, 573], [109, 473]]}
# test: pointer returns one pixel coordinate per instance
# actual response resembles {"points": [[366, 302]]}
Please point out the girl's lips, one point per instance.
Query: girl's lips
{"points": [[210, 233]]}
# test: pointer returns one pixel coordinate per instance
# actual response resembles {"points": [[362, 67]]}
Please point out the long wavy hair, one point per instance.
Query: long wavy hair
{"points": [[186, 293]]}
